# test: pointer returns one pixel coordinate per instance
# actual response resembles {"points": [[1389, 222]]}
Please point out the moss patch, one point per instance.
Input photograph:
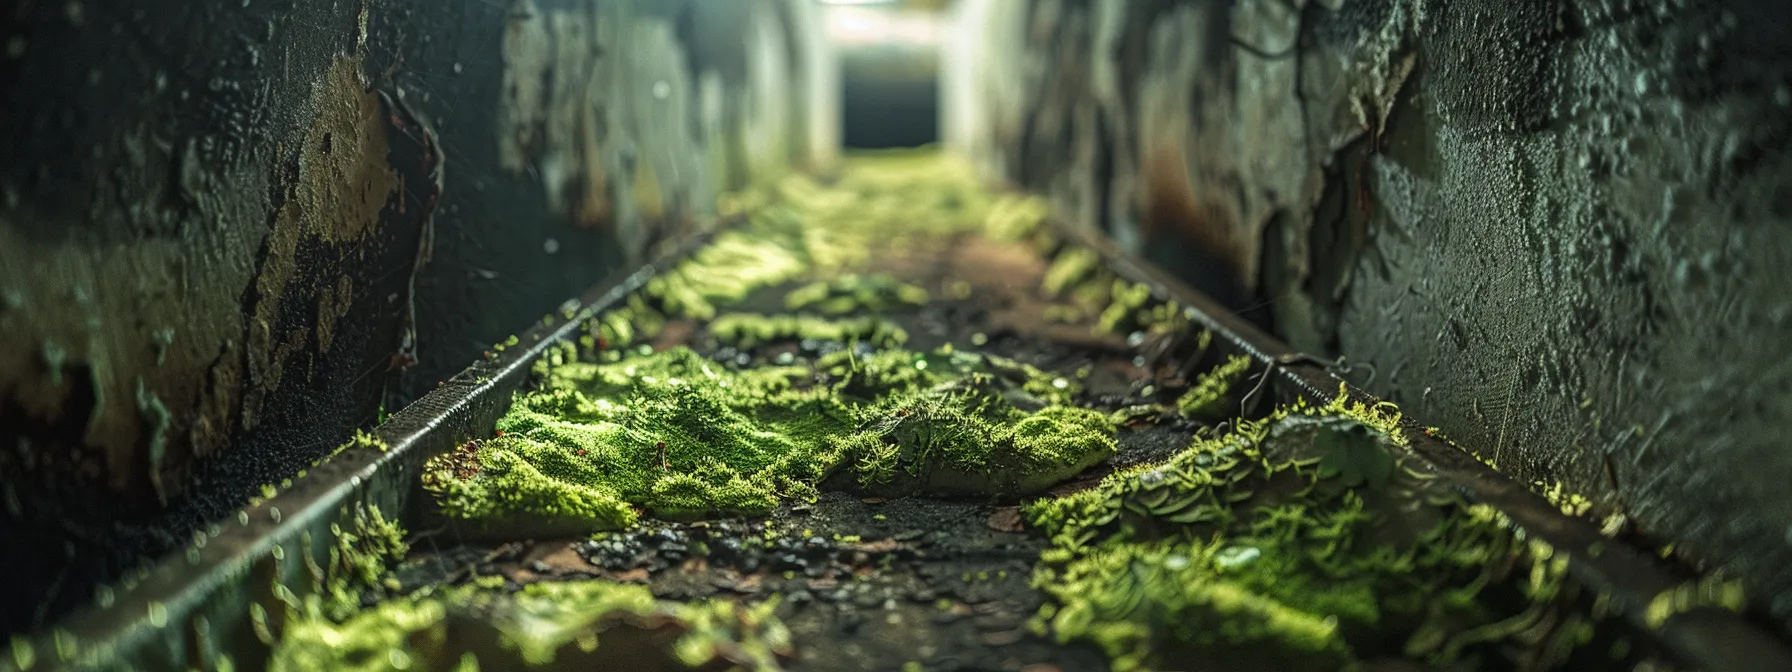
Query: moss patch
{"points": [[1298, 542], [748, 330], [973, 437], [681, 436], [545, 626], [1213, 398], [854, 294]]}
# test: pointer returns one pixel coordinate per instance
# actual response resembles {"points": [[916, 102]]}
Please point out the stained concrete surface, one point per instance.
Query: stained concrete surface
{"points": [[231, 232], [1553, 229]]}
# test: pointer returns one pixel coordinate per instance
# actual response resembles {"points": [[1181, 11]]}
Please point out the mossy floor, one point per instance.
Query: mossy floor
{"points": [[893, 425]]}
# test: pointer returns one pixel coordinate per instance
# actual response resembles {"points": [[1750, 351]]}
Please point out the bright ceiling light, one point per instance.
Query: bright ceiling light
{"points": [[863, 25]]}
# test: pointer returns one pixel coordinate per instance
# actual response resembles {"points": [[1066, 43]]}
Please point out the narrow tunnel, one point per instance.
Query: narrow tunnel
{"points": [[895, 335]]}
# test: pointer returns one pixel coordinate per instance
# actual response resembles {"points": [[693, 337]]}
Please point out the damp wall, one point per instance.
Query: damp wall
{"points": [[1559, 231], [232, 233]]}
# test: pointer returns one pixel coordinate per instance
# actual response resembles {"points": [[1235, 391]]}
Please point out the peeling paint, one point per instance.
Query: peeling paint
{"points": [[342, 184]]}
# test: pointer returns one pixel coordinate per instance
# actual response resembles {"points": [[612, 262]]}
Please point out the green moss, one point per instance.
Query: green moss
{"points": [[1145, 603], [551, 625], [680, 436], [382, 638], [1297, 542], [1123, 312], [1212, 398], [970, 437], [1069, 268], [749, 330], [672, 432], [1708, 591], [853, 294], [365, 551], [725, 270]]}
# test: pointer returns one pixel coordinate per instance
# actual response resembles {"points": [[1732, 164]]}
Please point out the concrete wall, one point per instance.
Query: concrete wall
{"points": [[1557, 230], [230, 231]]}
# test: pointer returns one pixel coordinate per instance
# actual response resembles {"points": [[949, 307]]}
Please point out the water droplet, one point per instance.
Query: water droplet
{"points": [[274, 513], [1236, 556], [65, 645], [662, 90], [104, 596], [23, 656], [158, 614], [550, 245], [1060, 383], [1176, 562]]}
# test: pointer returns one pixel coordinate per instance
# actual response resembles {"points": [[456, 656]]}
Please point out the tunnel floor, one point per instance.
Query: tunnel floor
{"points": [[1173, 534]]}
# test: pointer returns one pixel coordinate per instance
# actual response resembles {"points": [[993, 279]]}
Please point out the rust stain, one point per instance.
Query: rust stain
{"points": [[1174, 201]]}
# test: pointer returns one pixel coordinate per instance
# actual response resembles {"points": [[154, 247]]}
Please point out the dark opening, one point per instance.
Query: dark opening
{"points": [[890, 96]]}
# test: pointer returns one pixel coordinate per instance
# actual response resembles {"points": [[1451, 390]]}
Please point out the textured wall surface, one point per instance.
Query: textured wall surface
{"points": [[230, 231], [1557, 230]]}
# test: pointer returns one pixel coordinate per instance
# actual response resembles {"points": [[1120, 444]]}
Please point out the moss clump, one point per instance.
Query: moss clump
{"points": [[883, 204], [749, 330], [1213, 397], [1071, 267], [544, 626], [623, 326], [853, 294], [1164, 601], [365, 550], [681, 436], [726, 270], [673, 433], [1297, 542], [971, 437], [1123, 312]]}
